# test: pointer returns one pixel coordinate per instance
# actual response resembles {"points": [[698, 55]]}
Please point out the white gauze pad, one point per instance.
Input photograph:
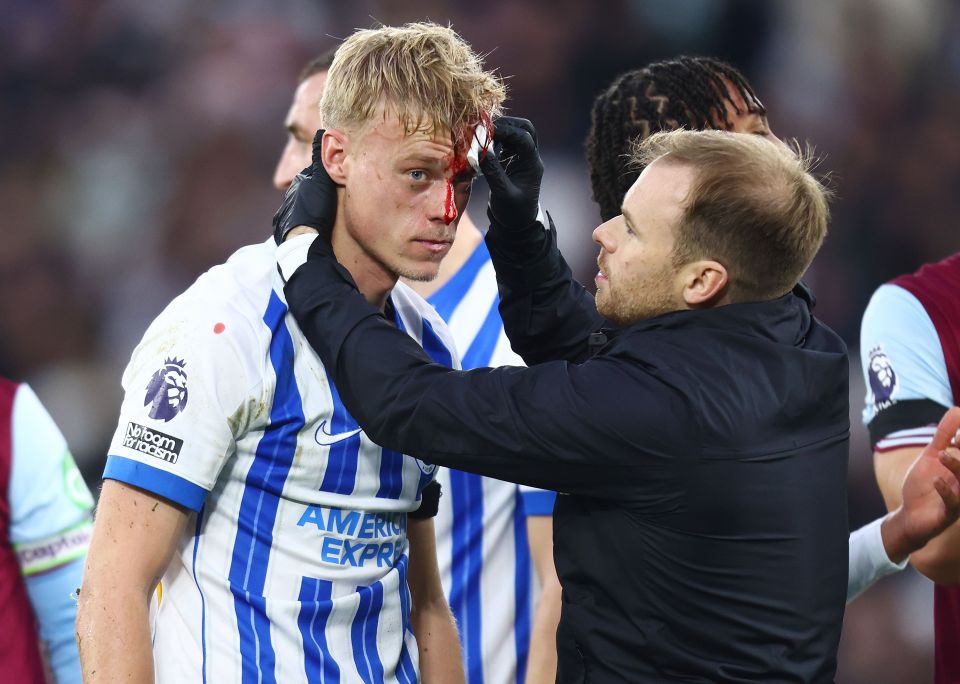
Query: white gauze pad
{"points": [[479, 146]]}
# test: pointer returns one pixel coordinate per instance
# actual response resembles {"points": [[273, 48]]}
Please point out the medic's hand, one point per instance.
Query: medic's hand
{"points": [[311, 200], [931, 493], [513, 173]]}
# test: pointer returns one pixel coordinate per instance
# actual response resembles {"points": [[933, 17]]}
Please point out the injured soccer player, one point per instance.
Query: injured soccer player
{"points": [[288, 545]]}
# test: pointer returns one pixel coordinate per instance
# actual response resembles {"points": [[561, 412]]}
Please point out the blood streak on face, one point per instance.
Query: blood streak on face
{"points": [[458, 165], [449, 207]]}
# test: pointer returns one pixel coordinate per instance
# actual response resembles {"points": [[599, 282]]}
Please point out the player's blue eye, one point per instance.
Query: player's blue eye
{"points": [[418, 175]]}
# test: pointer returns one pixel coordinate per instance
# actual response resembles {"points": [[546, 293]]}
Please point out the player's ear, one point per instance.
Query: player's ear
{"points": [[333, 152]]}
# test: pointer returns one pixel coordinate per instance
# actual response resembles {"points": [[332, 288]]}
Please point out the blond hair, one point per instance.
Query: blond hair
{"points": [[425, 73], [754, 206]]}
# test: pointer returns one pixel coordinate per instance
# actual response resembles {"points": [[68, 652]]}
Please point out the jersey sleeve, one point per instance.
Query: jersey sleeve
{"points": [[189, 389], [537, 501], [50, 504], [904, 371], [50, 527], [52, 598]]}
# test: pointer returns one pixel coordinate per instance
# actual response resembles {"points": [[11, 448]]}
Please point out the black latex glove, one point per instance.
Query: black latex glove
{"points": [[513, 173], [311, 200]]}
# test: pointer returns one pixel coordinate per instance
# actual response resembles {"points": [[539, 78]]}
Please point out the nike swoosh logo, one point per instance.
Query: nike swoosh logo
{"points": [[324, 438]]}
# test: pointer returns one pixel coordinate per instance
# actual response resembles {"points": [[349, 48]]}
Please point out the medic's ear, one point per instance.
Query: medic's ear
{"points": [[704, 283]]}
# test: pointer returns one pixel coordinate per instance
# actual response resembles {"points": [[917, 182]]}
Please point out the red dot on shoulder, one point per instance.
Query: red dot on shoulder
{"points": [[219, 328]]}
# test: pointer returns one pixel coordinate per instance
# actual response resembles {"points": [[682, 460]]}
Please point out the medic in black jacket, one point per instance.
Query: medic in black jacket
{"points": [[695, 417]]}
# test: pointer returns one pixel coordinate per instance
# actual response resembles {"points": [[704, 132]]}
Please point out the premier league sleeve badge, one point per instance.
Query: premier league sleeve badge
{"points": [[167, 390], [883, 379]]}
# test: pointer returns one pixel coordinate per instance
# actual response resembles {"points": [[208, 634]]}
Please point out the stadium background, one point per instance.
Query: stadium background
{"points": [[138, 140]]}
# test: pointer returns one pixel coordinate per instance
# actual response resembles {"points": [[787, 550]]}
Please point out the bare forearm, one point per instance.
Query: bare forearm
{"points": [[439, 646], [430, 616], [134, 537], [113, 636], [542, 658]]}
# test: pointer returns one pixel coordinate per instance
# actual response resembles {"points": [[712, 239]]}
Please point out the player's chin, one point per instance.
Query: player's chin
{"points": [[420, 271]]}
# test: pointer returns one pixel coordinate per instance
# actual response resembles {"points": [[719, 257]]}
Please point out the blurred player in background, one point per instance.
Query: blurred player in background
{"points": [[703, 93], [488, 531], [910, 354], [45, 512], [280, 529]]}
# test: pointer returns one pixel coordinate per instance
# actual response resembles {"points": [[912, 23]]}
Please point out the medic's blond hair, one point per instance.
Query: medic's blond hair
{"points": [[754, 206], [425, 73]]}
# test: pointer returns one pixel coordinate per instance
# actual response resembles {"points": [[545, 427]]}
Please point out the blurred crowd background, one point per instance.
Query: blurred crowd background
{"points": [[138, 140]]}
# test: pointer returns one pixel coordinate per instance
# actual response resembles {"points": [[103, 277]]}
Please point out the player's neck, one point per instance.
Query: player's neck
{"points": [[373, 280], [467, 239]]}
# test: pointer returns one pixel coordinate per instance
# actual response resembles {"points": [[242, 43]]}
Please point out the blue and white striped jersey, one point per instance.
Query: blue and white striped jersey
{"points": [[293, 566], [482, 549]]}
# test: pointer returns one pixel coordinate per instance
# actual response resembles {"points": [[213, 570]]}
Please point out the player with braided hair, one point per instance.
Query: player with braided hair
{"points": [[687, 92], [705, 93]]}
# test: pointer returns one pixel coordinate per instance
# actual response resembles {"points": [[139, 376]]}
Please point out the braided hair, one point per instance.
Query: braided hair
{"points": [[688, 92]]}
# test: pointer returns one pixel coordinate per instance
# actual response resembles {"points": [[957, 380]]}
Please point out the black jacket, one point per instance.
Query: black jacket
{"points": [[702, 536]]}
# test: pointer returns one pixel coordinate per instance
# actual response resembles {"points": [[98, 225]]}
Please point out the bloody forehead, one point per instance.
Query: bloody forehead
{"points": [[458, 162], [464, 136]]}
